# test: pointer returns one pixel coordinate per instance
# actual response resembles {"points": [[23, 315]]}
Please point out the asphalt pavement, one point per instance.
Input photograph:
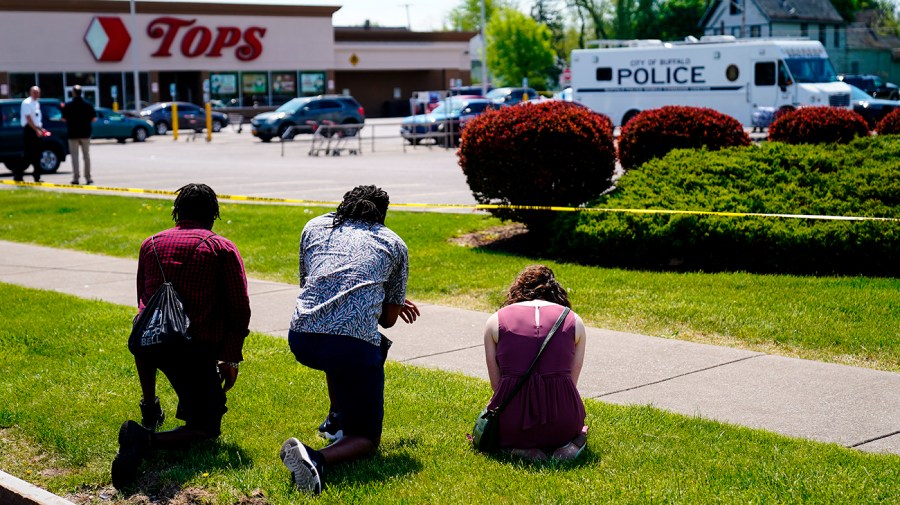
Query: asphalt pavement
{"points": [[850, 406]]}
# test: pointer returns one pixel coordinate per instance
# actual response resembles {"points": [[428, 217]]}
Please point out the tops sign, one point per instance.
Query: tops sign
{"points": [[199, 40], [108, 39]]}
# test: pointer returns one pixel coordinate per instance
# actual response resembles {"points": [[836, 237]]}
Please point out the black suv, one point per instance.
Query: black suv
{"points": [[306, 114], [54, 148], [873, 85]]}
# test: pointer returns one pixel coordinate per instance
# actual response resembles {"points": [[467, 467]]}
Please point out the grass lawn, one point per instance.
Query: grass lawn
{"points": [[850, 320], [68, 382]]}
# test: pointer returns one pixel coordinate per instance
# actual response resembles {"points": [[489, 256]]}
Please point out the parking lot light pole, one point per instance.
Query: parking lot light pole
{"points": [[134, 61], [483, 54]]}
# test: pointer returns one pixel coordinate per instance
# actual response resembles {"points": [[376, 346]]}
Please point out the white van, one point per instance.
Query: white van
{"points": [[735, 77]]}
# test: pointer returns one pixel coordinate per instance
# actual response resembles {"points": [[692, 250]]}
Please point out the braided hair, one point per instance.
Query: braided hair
{"points": [[537, 282], [196, 202], [365, 203]]}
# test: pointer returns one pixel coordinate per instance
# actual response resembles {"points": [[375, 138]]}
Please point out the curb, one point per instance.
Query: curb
{"points": [[14, 491]]}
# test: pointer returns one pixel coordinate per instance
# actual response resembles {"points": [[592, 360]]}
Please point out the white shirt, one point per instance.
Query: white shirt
{"points": [[30, 107]]}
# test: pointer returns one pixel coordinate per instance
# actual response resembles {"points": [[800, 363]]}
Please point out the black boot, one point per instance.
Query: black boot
{"points": [[134, 444], [152, 416]]}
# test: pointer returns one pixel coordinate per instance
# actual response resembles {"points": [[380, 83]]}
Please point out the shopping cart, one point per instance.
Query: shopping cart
{"points": [[334, 139]]}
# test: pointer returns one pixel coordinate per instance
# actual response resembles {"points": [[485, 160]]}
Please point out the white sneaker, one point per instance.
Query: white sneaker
{"points": [[303, 471]]}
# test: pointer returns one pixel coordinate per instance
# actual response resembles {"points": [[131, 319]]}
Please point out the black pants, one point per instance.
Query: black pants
{"points": [[32, 154]]}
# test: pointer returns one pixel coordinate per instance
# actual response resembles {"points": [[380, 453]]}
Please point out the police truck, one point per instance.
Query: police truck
{"points": [[738, 77]]}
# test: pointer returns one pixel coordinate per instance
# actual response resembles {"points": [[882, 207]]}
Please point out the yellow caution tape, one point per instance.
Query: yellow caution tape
{"points": [[320, 203]]}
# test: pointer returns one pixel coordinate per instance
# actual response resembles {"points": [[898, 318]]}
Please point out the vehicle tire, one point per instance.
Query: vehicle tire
{"points": [[895, 96], [162, 128], [781, 112], [265, 138], [629, 116], [121, 140], [350, 132], [139, 134], [283, 128], [51, 157], [216, 126]]}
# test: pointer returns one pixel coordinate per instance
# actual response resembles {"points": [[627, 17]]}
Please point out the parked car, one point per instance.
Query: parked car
{"points": [[444, 123], [190, 117], [510, 96], [116, 125], [871, 109], [474, 89], [305, 114], [54, 148], [873, 85]]}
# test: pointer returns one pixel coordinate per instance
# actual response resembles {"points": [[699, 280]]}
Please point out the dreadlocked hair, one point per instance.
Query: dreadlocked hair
{"points": [[196, 202], [537, 282], [366, 203]]}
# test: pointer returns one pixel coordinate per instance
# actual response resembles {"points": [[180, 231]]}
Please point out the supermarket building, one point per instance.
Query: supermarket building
{"points": [[244, 54]]}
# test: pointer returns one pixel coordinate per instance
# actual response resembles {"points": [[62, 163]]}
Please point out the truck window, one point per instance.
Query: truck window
{"points": [[604, 74], [764, 73], [784, 77]]}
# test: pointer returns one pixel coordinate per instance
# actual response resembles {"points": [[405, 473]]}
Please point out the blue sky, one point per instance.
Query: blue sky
{"points": [[424, 15]]}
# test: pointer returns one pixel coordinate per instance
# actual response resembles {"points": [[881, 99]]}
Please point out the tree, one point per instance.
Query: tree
{"points": [[548, 13], [590, 16], [518, 47], [676, 19], [467, 15]]}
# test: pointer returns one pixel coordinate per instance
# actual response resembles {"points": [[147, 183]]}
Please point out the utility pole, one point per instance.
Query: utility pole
{"points": [[483, 54], [408, 24]]}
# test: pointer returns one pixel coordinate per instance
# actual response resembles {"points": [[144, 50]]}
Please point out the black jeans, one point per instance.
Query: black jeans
{"points": [[32, 154]]}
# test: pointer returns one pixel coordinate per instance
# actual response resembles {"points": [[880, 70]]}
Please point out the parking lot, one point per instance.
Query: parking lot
{"points": [[239, 164]]}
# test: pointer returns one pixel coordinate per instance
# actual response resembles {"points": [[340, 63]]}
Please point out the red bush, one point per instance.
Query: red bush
{"points": [[537, 154], [890, 124], [653, 133], [818, 125]]}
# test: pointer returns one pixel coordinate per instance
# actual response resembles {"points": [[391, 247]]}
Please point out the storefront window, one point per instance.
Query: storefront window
{"points": [[51, 85], [19, 84], [255, 88], [106, 83], [81, 78], [312, 83], [128, 95], [284, 87], [224, 87]]}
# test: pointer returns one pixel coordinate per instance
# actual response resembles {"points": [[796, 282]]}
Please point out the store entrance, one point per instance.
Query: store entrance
{"points": [[90, 94], [186, 85]]}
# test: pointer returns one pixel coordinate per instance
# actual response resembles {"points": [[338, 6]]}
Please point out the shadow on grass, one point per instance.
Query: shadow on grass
{"points": [[586, 459], [162, 474], [379, 468]]}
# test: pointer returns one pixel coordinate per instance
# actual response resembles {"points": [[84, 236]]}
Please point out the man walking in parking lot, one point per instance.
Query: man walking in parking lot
{"points": [[78, 116], [32, 131]]}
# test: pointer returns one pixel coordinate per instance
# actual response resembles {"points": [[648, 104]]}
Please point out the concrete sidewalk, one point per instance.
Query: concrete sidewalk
{"points": [[854, 407]]}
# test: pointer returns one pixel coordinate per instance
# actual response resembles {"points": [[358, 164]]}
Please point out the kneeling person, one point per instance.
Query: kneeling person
{"points": [[353, 273], [208, 273]]}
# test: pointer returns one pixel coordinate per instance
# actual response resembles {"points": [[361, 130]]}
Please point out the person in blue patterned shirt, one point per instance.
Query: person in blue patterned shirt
{"points": [[353, 273]]}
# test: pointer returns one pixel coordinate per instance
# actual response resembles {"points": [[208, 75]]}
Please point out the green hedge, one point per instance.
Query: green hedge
{"points": [[859, 179]]}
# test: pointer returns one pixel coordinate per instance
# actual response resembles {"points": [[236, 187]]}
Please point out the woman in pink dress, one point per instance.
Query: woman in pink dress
{"points": [[546, 417]]}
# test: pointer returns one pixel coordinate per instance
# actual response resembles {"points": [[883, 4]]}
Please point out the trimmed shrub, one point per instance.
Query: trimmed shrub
{"points": [[890, 124], [818, 125], [653, 133], [859, 179], [537, 154]]}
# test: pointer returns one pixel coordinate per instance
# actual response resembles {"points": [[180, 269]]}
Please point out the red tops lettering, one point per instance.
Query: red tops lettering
{"points": [[199, 40]]}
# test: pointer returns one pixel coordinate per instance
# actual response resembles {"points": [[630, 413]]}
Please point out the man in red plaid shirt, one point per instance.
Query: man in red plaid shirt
{"points": [[208, 273]]}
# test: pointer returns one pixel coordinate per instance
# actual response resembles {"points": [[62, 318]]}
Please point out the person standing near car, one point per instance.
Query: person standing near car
{"points": [[32, 131], [79, 116]]}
